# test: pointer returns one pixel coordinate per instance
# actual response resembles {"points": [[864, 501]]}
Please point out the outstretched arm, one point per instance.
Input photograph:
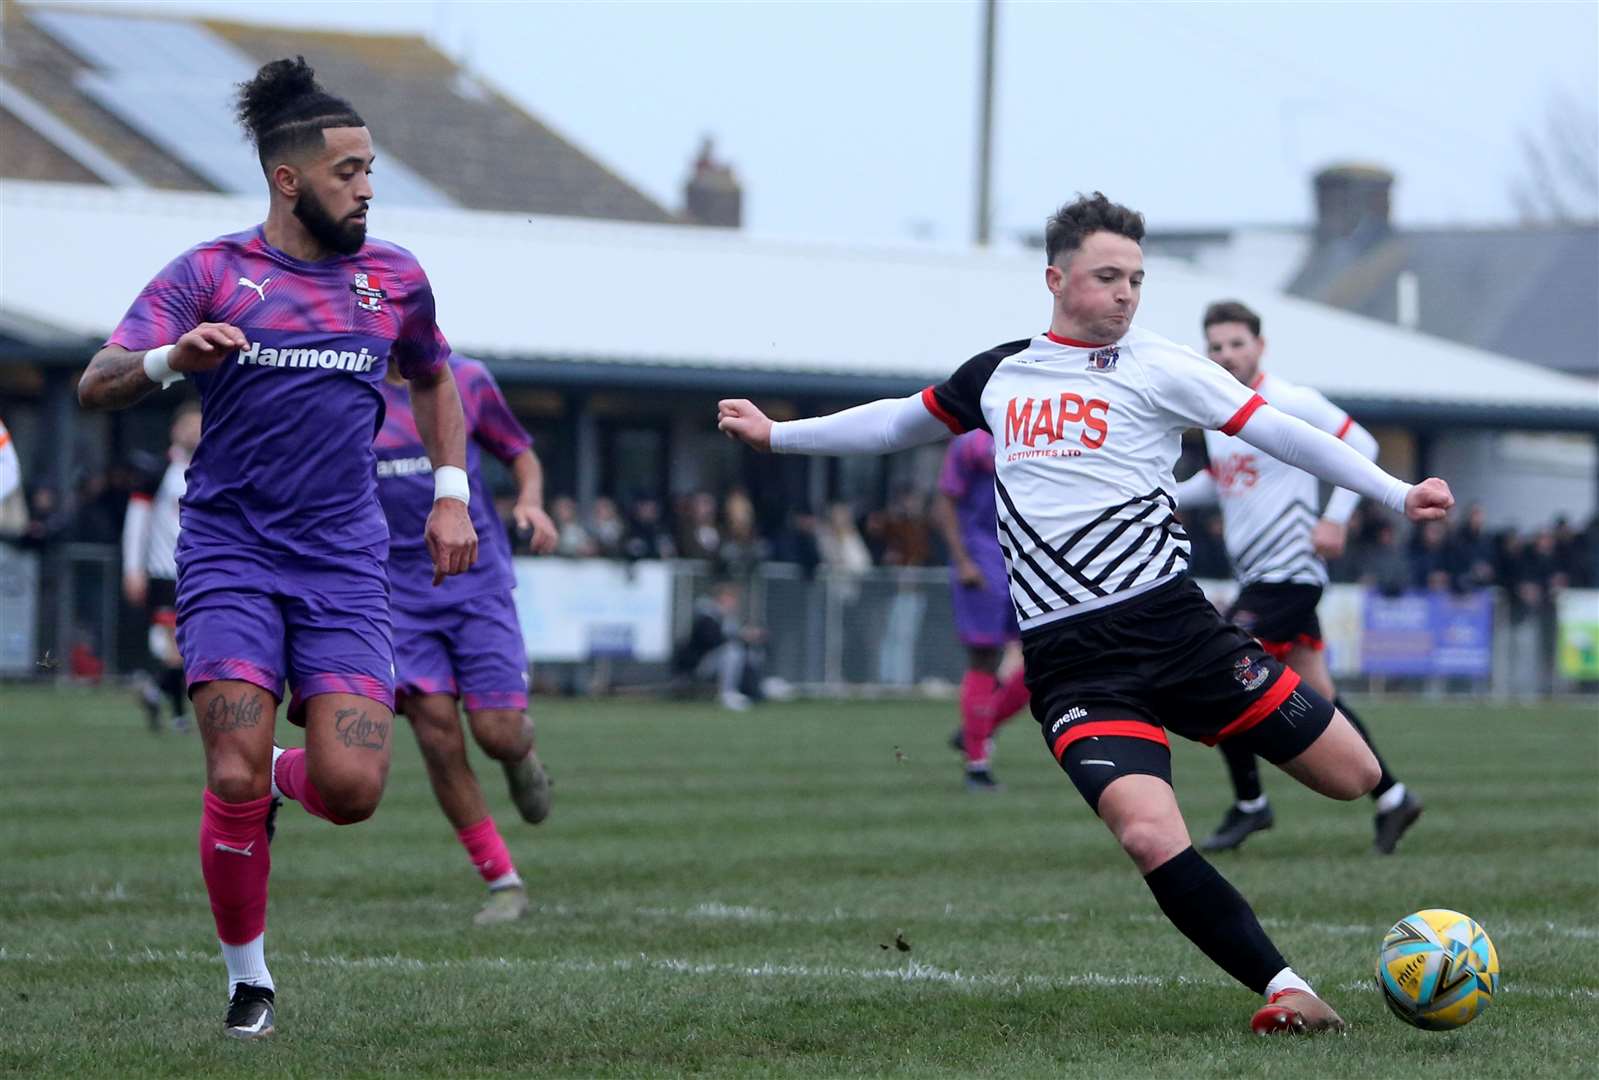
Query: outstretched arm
{"points": [[1303, 446], [878, 427]]}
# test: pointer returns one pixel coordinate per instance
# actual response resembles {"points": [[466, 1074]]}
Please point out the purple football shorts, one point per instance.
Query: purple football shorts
{"points": [[471, 650], [261, 616]]}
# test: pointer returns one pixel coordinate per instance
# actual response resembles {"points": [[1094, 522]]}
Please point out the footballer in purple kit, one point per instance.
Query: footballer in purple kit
{"points": [[994, 687], [459, 640], [1119, 645], [287, 330]]}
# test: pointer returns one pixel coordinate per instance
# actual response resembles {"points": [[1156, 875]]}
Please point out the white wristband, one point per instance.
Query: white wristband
{"points": [[157, 368], [449, 482]]}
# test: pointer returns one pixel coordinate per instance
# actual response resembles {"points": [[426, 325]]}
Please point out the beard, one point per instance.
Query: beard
{"points": [[344, 237]]}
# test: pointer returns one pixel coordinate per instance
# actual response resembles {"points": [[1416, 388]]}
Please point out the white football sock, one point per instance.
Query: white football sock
{"points": [[272, 773], [1287, 980], [1252, 806], [247, 964], [505, 881], [1391, 798]]}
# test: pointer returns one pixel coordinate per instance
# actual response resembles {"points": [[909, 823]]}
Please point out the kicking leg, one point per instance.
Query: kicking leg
{"points": [[1140, 809]]}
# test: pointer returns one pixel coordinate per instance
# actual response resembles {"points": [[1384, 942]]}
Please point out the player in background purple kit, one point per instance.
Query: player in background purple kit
{"points": [[287, 330], [461, 640], [985, 618]]}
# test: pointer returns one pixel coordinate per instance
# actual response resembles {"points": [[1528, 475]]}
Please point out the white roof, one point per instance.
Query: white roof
{"points": [[577, 289]]}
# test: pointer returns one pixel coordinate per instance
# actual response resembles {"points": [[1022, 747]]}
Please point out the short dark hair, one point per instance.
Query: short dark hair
{"points": [[284, 110], [1067, 228], [1223, 311]]}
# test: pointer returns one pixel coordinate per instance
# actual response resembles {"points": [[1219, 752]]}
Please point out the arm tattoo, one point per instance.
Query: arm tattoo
{"points": [[223, 715], [359, 731], [114, 380]]}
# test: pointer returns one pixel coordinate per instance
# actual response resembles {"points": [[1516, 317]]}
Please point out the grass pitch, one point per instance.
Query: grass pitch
{"points": [[714, 894]]}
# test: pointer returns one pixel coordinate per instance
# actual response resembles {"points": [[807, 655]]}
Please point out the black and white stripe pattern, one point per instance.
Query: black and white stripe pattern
{"points": [[1281, 550], [1128, 546]]}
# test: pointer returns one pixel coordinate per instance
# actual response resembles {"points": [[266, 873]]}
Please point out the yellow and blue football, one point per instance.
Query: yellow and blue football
{"points": [[1437, 969]]}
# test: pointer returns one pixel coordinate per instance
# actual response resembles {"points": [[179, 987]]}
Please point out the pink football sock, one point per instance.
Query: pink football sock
{"points": [[487, 850], [1013, 698], [290, 774], [235, 861], [978, 697]]}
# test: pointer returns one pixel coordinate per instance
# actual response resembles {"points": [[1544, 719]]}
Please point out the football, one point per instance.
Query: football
{"points": [[1437, 969]]}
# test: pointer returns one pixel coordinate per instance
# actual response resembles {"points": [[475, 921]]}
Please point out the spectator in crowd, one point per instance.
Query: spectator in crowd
{"points": [[742, 548], [1568, 552], [1471, 552], [699, 537], [903, 531], [647, 536], [606, 528], [1386, 568], [797, 542], [843, 549], [1431, 565], [574, 542], [721, 646]]}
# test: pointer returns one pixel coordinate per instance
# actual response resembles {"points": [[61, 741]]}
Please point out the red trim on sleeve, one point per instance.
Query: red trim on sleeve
{"points": [[1073, 342], [1273, 697], [1343, 429], [930, 400], [140, 497], [1130, 729], [1241, 417]]}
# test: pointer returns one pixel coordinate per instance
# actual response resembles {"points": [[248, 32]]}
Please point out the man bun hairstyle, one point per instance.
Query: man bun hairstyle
{"points": [[1068, 226], [1226, 311], [284, 109]]}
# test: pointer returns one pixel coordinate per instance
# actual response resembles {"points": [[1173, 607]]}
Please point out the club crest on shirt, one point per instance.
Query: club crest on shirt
{"points": [[1250, 673], [1103, 359], [370, 295]]}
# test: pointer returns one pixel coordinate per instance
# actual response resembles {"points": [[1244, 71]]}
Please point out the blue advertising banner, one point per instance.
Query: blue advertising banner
{"points": [[1428, 634]]}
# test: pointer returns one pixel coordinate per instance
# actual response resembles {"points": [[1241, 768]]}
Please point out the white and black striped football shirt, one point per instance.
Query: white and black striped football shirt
{"points": [[1085, 440], [1269, 508], [150, 529]]}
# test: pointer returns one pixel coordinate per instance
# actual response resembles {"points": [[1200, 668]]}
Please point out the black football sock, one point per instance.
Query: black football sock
{"points": [[1245, 773], [1386, 780], [1213, 915]]}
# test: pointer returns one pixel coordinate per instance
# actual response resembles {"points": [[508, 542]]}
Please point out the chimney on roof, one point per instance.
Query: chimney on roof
{"points": [[1352, 200], [712, 195]]}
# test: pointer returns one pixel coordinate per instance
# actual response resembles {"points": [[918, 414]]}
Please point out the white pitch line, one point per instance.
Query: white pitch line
{"points": [[718, 911], [912, 971]]}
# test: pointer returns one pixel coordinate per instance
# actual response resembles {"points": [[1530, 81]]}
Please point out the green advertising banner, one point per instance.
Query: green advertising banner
{"points": [[1578, 614]]}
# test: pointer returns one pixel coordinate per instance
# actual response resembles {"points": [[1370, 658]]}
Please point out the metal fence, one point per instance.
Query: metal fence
{"points": [[885, 631]]}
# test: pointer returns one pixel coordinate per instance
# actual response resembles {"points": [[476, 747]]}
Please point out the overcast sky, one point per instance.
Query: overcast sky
{"points": [[857, 121]]}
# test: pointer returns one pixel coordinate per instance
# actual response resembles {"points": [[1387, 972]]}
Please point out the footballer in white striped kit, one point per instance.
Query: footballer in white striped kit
{"points": [[1119, 644], [1276, 540]]}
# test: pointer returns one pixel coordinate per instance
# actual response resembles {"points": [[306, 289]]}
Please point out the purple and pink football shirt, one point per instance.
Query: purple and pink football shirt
{"points": [[984, 616]]}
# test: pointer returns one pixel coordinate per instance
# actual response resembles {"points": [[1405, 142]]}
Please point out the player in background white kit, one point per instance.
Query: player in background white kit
{"points": [[150, 568], [1119, 645], [1277, 541]]}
